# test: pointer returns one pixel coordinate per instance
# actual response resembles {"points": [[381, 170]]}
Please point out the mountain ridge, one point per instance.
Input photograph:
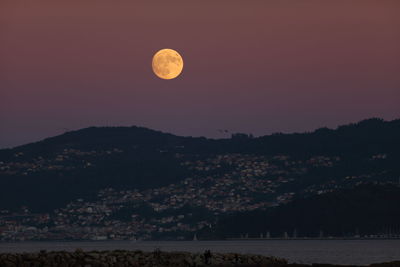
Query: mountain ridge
{"points": [[116, 136], [100, 175]]}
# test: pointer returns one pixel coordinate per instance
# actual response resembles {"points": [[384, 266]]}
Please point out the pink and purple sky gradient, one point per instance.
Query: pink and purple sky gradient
{"points": [[250, 66]]}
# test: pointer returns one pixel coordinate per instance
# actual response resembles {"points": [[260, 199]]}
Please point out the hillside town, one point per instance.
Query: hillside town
{"points": [[218, 185]]}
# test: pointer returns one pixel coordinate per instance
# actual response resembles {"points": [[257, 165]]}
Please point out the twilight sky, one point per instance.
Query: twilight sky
{"points": [[250, 66]]}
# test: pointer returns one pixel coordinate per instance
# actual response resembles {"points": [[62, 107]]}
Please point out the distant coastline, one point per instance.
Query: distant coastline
{"points": [[312, 238], [207, 240]]}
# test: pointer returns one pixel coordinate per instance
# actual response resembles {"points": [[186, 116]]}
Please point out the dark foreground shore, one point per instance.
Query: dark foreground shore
{"points": [[122, 258]]}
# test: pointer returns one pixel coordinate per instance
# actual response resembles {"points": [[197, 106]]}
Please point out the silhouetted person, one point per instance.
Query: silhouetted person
{"points": [[207, 257]]}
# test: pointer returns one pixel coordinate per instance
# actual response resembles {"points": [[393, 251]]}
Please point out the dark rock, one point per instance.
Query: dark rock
{"points": [[121, 258]]}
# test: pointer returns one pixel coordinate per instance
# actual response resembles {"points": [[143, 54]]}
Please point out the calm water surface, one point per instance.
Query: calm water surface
{"points": [[361, 252]]}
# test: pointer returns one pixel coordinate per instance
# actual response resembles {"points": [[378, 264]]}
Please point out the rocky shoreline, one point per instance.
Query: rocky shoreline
{"points": [[157, 258]]}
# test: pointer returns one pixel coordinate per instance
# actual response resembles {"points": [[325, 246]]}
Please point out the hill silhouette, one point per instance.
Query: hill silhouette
{"points": [[79, 163], [368, 136], [361, 210]]}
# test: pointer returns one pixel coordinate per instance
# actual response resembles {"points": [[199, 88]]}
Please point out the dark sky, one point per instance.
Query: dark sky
{"points": [[250, 66]]}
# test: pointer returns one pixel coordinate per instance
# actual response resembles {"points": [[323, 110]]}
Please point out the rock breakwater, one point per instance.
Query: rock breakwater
{"points": [[123, 258]]}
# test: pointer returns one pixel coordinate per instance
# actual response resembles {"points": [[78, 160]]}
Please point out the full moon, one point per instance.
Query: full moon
{"points": [[167, 64]]}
